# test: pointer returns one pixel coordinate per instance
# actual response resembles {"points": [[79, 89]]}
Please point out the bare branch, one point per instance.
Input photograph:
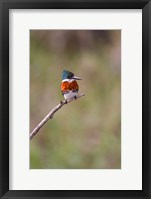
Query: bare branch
{"points": [[50, 115]]}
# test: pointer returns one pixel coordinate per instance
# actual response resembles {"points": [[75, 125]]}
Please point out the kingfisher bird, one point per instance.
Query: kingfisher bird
{"points": [[69, 85]]}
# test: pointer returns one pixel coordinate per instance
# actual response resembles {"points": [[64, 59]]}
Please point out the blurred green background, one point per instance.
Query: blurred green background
{"points": [[86, 133]]}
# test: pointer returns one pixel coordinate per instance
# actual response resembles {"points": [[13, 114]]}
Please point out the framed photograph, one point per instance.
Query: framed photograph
{"points": [[75, 99]]}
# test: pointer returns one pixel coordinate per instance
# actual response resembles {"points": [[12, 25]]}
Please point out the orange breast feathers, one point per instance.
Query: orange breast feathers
{"points": [[67, 86]]}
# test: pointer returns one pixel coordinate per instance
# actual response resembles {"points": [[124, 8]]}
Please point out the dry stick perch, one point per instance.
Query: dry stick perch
{"points": [[50, 115]]}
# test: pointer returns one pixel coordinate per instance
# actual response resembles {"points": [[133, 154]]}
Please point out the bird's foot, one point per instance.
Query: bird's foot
{"points": [[61, 101]]}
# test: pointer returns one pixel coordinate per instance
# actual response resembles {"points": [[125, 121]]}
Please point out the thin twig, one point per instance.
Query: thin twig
{"points": [[50, 115]]}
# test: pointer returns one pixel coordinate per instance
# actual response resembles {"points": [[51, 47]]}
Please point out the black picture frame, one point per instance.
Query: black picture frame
{"points": [[5, 6]]}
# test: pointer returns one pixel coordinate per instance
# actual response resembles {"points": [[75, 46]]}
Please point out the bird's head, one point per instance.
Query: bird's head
{"points": [[69, 75]]}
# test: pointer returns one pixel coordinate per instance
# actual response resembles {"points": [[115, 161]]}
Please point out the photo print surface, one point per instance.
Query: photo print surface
{"points": [[85, 133]]}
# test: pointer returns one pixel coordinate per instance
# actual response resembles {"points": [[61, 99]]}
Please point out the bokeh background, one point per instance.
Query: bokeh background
{"points": [[86, 133]]}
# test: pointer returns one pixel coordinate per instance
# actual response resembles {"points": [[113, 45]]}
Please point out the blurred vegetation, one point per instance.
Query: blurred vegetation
{"points": [[85, 134]]}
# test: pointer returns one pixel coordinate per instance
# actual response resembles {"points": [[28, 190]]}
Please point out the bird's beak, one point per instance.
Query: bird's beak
{"points": [[74, 77]]}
